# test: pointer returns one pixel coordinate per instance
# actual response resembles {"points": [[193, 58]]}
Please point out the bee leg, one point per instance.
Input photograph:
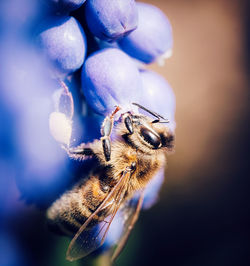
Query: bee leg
{"points": [[106, 132], [65, 103], [79, 152], [106, 147]]}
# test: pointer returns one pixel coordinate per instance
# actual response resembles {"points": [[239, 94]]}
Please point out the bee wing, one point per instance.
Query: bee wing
{"points": [[87, 239], [130, 213]]}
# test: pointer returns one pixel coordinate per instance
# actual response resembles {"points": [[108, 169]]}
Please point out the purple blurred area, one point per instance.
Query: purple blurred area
{"points": [[33, 167], [26, 92]]}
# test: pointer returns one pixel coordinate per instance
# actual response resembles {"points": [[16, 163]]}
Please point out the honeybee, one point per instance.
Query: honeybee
{"points": [[124, 166]]}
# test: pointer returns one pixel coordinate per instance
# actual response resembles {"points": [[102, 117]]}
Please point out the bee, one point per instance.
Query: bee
{"points": [[125, 163]]}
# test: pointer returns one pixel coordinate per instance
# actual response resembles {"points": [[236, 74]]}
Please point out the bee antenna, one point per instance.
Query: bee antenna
{"points": [[159, 121], [159, 117]]}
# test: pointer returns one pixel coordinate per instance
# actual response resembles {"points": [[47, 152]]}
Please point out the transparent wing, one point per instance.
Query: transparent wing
{"points": [[130, 213], [88, 238]]}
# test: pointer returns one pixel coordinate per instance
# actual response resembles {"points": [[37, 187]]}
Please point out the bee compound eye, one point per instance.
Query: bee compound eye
{"points": [[150, 137]]}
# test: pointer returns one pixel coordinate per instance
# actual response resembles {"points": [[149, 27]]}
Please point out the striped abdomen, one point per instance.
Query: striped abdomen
{"points": [[69, 212]]}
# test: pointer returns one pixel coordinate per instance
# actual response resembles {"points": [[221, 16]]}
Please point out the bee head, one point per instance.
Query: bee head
{"points": [[146, 135]]}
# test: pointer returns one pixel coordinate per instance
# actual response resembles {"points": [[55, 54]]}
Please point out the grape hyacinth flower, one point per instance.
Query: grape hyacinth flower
{"points": [[111, 19], [63, 42], [110, 78], [153, 36], [158, 96], [64, 6]]}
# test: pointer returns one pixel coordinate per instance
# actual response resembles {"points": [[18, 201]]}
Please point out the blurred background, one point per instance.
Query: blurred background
{"points": [[202, 216]]}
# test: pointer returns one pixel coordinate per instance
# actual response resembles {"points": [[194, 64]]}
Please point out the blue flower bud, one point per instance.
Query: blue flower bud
{"points": [[110, 78], [111, 19], [63, 41], [65, 6], [153, 36], [158, 96]]}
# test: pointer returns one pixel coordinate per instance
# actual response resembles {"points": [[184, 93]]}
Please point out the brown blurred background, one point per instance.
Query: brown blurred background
{"points": [[202, 217]]}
